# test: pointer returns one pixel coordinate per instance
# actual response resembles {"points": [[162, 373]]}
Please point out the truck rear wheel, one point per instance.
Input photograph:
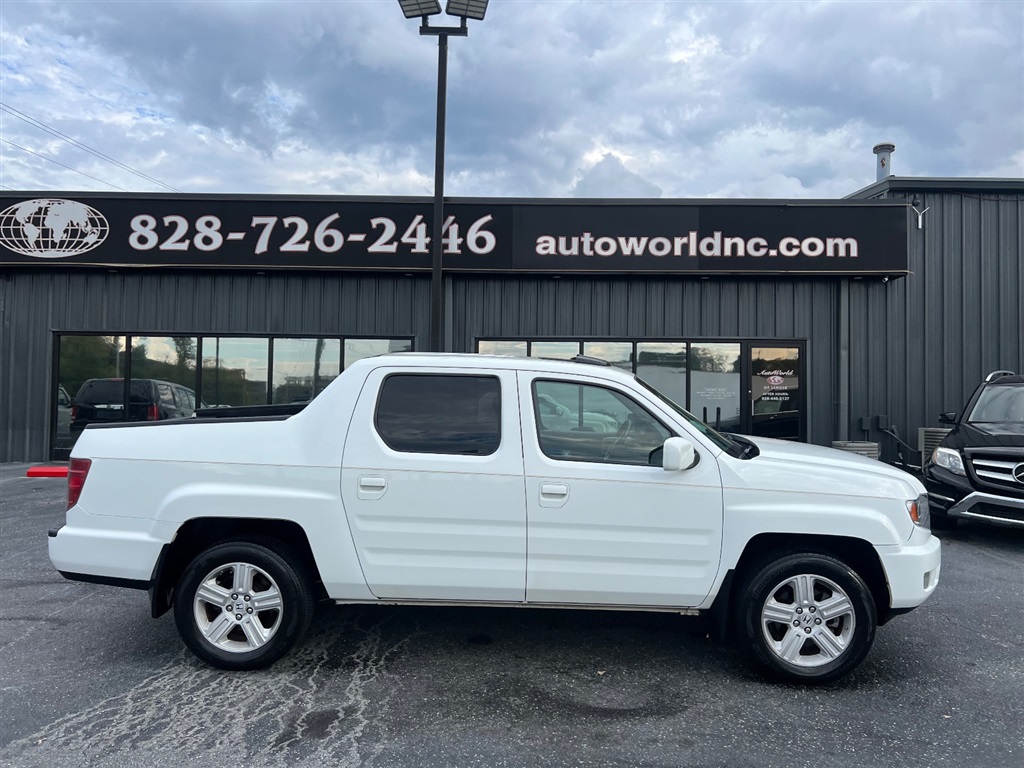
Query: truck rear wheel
{"points": [[243, 605], [807, 617]]}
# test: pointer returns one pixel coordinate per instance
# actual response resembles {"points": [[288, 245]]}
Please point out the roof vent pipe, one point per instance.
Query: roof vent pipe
{"points": [[883, 167]]}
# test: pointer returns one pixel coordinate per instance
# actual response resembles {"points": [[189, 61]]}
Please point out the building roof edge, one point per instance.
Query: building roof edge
{"points": [[930, 183]]}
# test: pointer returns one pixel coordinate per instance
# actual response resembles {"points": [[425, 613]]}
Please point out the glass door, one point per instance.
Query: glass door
{"points": [[776, 398]]}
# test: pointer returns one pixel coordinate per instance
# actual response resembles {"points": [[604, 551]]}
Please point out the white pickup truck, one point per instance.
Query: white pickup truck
{"points": [[495, 481]]}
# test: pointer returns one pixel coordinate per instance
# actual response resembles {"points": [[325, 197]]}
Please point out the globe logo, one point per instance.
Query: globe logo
{"points": [[52, 229]]}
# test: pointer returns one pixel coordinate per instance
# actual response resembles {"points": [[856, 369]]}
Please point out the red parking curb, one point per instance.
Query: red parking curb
{"points": [[47, 471]]}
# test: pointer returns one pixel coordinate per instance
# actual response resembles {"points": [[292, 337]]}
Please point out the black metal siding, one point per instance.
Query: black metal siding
{"points": [[921, 346]]}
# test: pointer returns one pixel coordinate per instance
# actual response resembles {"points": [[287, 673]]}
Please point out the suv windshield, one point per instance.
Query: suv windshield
{"points": [[999, 403], [723, 442]]}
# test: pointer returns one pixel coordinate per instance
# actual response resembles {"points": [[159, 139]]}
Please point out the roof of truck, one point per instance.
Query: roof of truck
{"points": [[582, 365]]}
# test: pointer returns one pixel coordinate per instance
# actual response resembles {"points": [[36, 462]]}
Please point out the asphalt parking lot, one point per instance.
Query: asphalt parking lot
{"points": [[87, 678]]}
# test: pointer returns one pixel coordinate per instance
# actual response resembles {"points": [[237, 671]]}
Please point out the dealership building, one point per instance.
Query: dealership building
{"points": [[858, 319]]}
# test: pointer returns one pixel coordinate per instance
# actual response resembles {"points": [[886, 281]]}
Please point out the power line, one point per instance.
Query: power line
{"points": [[101, 181], [75, 143]]}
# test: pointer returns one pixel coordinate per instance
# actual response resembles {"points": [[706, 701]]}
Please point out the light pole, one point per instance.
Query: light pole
{"points": [[424, 9]]}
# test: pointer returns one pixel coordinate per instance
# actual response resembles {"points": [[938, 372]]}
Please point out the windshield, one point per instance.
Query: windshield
{"points": [[999, 404], [717, 438]]}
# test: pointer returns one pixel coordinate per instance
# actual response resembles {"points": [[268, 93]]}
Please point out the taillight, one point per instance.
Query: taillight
{"points": [[77, 470], [152, 413], [74, 413]]}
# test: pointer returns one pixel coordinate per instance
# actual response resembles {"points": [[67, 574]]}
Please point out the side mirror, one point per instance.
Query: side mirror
{"points": [[678, 454], [947, 418]]}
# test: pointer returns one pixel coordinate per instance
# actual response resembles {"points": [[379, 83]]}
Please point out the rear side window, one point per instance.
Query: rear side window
{"points": [[430, 413], [166, 394], [141, 392]]}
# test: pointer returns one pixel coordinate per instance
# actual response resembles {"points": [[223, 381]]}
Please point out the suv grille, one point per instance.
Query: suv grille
{"points": [[993, 468]]}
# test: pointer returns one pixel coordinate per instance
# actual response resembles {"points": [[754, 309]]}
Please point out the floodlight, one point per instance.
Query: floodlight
{"points": [[416, 8], [424, 9], [467, 9]]}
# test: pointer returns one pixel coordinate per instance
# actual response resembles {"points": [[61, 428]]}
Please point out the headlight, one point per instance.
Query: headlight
{"points": [[919, 511], [949, 459]]}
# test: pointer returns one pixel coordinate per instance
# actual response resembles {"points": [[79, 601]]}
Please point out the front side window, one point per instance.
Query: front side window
{"points": [[430, 413], [580, 422]]}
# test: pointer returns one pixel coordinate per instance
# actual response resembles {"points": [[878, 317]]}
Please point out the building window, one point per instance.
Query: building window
{"points": [[209, 371], [558, 350], [751, 387], [499, 347], [715, 379], [302, 368], [234, 371], [618, 353], [358, 349], [663, 365]]}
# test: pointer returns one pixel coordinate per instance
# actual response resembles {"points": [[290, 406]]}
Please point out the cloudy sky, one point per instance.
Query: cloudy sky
{"points": [[546, 98]]}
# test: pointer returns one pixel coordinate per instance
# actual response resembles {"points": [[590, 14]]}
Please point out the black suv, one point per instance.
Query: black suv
{"points": [[977, 472], [102, 401]]}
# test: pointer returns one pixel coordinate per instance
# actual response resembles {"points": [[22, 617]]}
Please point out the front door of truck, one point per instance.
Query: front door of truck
{"points": [[432, 483], [605, 526]]}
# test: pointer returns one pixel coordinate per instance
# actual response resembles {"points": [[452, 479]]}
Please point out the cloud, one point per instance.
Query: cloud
{"points": [[544, 99], [609, 177]]}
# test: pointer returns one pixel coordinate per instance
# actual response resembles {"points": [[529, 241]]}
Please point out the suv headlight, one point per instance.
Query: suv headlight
{"points": [[949, 459], [919, 511]]}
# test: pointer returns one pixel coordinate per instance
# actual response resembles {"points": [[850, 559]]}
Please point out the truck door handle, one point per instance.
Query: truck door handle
{"points": [[554, 490], [371, 486]]}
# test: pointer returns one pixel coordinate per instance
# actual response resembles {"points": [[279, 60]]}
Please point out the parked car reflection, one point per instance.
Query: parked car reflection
{"points": [[62, 435], [102, 401]]}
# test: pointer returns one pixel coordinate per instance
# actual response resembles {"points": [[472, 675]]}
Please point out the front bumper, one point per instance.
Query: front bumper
{"points": [[912, 569], [953, 496]]}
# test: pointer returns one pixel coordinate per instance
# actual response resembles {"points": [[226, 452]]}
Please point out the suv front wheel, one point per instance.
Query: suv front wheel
{"points": [[807, 616]]}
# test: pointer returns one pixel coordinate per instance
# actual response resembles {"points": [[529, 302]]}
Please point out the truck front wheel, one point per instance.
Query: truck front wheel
{"points": [[242, 605], [807, 616]]}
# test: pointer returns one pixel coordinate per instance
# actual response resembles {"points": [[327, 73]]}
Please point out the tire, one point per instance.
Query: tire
{"points": [[243, 605], [807, 617]]}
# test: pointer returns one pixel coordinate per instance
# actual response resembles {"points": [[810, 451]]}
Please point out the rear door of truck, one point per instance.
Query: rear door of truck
{"points": [[432, 482]]}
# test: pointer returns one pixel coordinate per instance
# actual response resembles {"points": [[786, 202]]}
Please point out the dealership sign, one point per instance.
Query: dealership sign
{"points": [[722, 237]]}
